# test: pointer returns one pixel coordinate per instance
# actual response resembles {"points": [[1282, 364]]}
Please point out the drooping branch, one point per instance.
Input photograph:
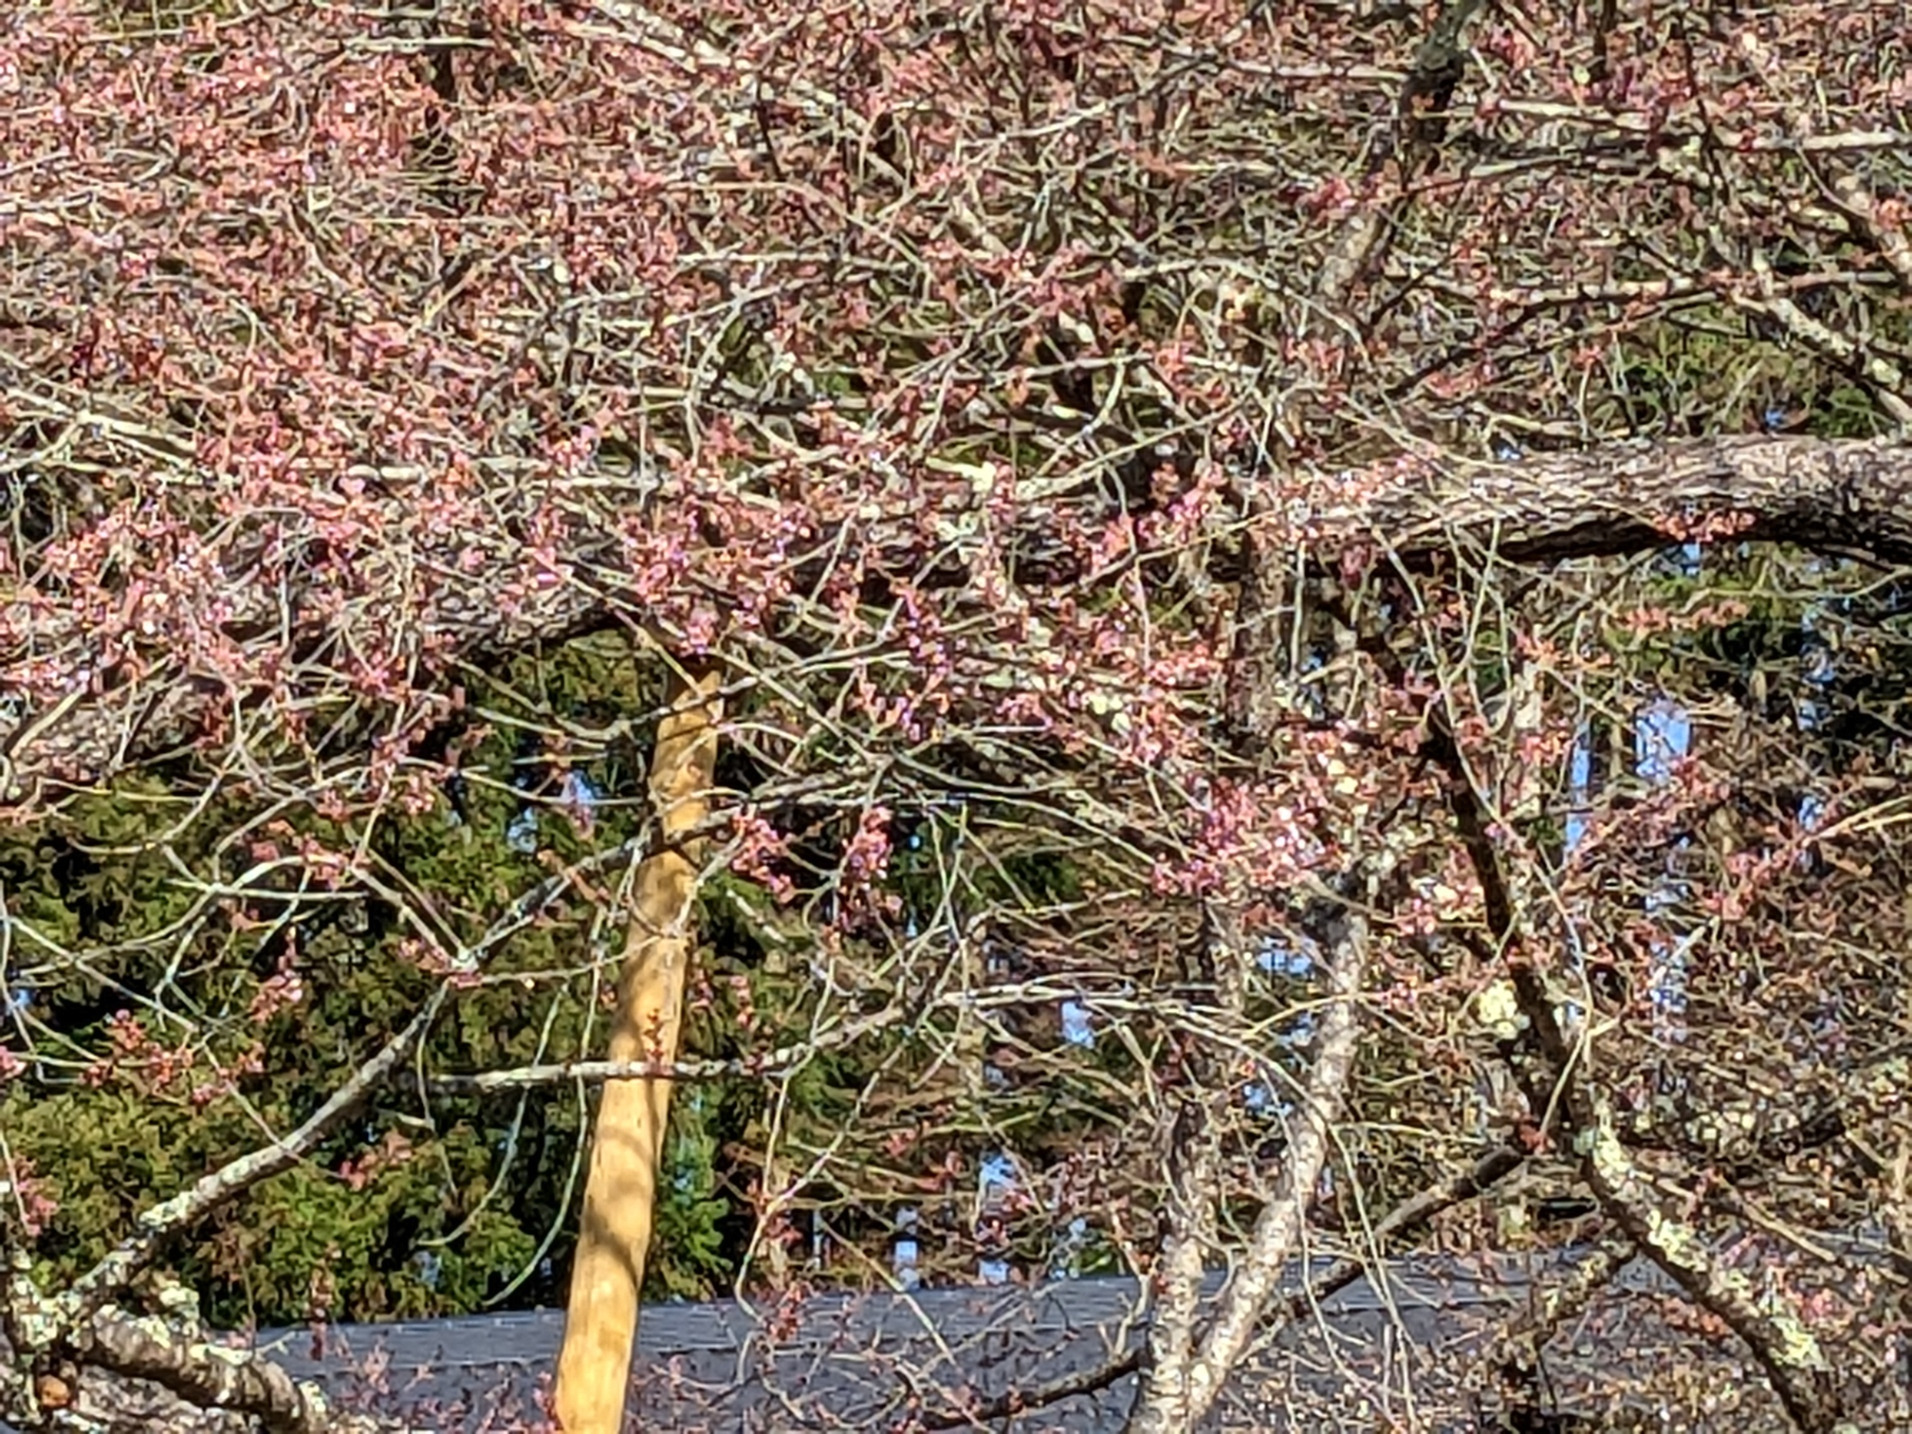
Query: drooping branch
{"points": [[1844, 496], [1786, 1349]]}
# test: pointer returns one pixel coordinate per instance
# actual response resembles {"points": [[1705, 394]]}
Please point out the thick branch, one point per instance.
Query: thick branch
{"points": [[1835, 495], [1778, 1337], [1193, 1177], [215, 1377], [1786, 1349], [1181, 1400], [1278, 1227]]}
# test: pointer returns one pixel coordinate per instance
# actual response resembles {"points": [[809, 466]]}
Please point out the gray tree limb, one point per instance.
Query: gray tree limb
{"points": [[1184, 1382], [1840, 496]]}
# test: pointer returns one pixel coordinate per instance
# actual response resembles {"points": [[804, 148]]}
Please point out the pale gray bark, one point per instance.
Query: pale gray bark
{"points": [[210, 1379], [163, 1222], [1185, 1375], [1791, 1356], [1835, 495]]}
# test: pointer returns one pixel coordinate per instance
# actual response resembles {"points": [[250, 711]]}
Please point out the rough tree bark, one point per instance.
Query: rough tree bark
{"points": [[1837, 495], [1833, 495], [122, 1373], [608, 1276], [212, 1377]]}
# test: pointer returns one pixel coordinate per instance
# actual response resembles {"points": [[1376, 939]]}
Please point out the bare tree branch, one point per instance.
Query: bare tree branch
{"points": [[1847, 496], [1873, 224], [1840, 495], [763, 1066], [216, 1377], [1180, 1398], [1777, 1335], [1411, 1214], [89, 1293], [1513, 1360]]}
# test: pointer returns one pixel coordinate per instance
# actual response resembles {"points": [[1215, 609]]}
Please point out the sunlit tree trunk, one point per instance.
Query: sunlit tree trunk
{"points": [[601, 1325]]}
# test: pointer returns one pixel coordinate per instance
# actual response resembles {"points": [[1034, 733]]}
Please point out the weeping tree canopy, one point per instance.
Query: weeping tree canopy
{"points": [[1306, 600]]}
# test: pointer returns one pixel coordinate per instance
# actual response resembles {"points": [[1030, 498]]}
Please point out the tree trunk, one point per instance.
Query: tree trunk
{"points": [[600, 1330]]}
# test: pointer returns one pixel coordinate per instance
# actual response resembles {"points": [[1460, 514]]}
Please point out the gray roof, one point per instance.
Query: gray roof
{"points": [[864, 1362], [840, 1361], [1397, 1349]]}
